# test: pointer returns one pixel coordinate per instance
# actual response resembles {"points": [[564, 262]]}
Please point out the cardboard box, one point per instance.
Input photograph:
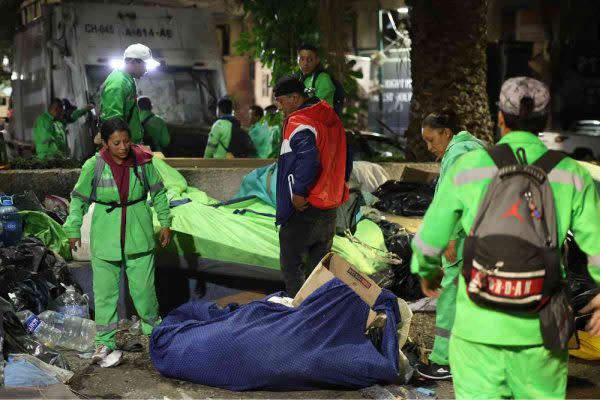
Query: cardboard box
{"points": [[411, 174], [335, 266]]}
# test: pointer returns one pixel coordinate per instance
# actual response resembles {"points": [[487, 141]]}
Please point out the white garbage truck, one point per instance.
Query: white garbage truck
{"points": [[66, 49]]}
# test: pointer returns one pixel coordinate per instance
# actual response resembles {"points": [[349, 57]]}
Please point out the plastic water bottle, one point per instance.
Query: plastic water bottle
{"points": [[12, 224], [72, 303], [45, 333], [76, 333]]}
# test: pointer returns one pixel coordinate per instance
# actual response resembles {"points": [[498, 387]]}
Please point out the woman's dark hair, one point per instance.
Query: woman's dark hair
{"points": [[527, 120], [112, 125], [445, 119]]}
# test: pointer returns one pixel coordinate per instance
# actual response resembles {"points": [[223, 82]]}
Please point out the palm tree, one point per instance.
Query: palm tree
{"points": [[448, 59]]}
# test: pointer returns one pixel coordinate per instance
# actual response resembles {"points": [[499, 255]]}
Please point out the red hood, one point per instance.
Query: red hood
{"points": [[320, 111], [142, 156]]}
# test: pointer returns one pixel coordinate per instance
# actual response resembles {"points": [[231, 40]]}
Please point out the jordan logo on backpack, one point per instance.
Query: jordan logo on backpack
{"points": [[514, 211], [511, 266]]}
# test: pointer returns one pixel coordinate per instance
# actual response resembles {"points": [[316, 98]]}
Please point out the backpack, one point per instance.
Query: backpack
{"points": [[339, 96], [241, 145], [147, 139], [511, 255]]}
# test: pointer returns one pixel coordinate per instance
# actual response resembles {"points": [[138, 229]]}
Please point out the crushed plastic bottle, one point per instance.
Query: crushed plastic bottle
{"points": [[45, 333], [76, 333], [72, 303]]}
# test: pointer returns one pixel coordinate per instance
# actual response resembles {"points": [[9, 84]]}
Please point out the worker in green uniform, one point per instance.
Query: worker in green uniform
{"points": [[118, 97], [118, 179], [219, 136], [317, 82], [274, 120], [156, 134], [497, 354], [260, 132], [49, 130], [441, 131]]}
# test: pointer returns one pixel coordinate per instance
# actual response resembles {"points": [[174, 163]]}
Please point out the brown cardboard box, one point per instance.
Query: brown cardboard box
{"points": [[335, 266], [411, 174]]}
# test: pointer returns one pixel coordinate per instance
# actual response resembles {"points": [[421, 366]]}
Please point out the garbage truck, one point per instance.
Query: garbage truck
{"points": [[66, 49]]}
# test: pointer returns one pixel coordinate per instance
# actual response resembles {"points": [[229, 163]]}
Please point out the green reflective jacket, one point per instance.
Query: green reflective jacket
{"points": [[119, 100], [156, 134], [49, 137], [105, 234], [462, 143], [261, 136], [324, 87], [457, 202], [218, 139]]}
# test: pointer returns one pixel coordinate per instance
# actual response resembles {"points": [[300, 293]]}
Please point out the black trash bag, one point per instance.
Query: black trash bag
{"points": [[17, 340], [32, 294], [31, 256], [398, 278], [33, 273], [404, 198], [397, 240], [346, 213], [581, 286]]}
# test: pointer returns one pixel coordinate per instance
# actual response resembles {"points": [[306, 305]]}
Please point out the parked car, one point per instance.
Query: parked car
{"points": [[371, 146], [582, 141]]}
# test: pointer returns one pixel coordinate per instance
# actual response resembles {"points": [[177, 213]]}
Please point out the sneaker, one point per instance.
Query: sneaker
{"points": [[434, 371], [100, 354]]}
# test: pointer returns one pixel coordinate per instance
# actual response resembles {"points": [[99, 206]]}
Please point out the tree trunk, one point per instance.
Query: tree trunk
{"points": [[448, 60]]}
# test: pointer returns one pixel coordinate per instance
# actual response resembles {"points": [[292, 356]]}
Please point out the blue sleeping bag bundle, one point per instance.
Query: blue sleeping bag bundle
{"points": [[265, 345]]}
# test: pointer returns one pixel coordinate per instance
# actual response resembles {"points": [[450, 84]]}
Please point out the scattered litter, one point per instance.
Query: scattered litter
{"points": [[112, 359], [396, 392], [425, 304], [377, 392], [60, 374], [286, 301], [23, 373]]}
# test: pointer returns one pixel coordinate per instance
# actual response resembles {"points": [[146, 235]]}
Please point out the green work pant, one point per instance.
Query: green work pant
{"points": [[483, 371], [106, 276], [444, 314]]}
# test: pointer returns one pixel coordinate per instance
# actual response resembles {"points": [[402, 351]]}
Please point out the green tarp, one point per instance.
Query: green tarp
{"points": [[245, 232], [51, 233]]}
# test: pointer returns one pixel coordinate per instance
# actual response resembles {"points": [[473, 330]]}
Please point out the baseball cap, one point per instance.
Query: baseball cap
{"points": [[139, 51], [515, 89], [288, 85]]}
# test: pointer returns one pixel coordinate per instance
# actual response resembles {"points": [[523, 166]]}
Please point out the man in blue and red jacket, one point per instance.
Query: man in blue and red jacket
{"points": [[311, 182]]}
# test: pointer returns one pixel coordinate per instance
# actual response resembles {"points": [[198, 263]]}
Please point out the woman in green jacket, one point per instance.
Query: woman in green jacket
{"points": [[118, 179], [447, 141]]}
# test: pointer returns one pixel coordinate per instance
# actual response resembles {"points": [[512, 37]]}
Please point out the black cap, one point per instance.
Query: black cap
{"points": [[288, 85]]}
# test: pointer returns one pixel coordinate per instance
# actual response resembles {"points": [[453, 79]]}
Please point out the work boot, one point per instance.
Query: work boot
{"points": [[434, 371]]}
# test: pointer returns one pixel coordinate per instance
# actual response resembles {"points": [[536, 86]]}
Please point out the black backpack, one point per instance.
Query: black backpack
{"points": [[511, 255], [339, 96], [241, 145]]}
